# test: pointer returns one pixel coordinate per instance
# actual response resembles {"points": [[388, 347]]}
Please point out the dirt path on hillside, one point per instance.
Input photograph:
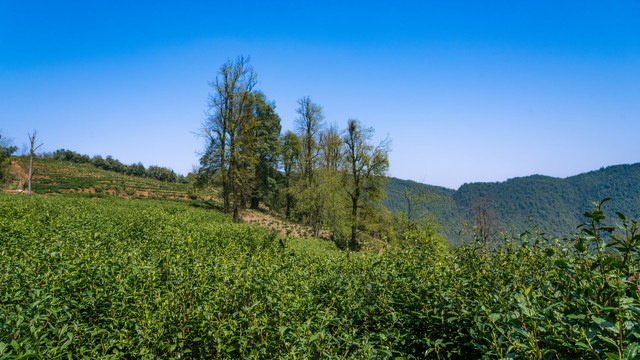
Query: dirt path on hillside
{"points": [[282, 226], [20, 174]]}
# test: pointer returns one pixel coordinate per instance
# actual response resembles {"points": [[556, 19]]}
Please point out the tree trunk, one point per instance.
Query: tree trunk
{"points": [[225, 199], [226, 193], [30, 168], [236, 212], [353, 243], [255, 202], [288, 206], [32, 152]]}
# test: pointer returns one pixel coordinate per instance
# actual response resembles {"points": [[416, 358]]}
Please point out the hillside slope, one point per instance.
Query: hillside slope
{"points": [[58, 177], [555, 204]]}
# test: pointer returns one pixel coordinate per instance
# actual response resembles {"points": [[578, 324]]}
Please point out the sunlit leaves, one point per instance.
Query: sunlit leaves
{"points": [[144, 279]]}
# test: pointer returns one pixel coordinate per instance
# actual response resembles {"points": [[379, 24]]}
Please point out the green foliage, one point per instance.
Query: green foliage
{"points": [[268, 149], [553, 203], [291, 149], [421, 235], [365, 167], [582, 303], [59, 176], [110, 164], [6, 149], [333, 205], [161, 173], [231, 131], [117, 278]]}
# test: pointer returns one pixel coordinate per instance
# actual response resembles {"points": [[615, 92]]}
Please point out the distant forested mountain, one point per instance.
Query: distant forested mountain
{"points": [[555, 204]]}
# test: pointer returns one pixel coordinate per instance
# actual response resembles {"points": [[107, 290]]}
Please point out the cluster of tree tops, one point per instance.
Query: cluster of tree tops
{"points": [[111, 164], [327, 178], [6, 150]]}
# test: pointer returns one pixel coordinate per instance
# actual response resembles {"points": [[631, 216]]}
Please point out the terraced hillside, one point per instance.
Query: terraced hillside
{"points": [[56, 177], [59, 177]]}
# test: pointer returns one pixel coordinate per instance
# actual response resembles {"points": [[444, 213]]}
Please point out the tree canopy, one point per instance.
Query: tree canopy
{"points": [[327, 178]]}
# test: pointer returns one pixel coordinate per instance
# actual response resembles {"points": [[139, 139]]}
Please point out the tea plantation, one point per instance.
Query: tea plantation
{"points": [[143, 279]]}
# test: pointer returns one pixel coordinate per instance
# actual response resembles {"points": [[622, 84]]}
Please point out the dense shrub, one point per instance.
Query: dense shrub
{"points": [[117, 278]]}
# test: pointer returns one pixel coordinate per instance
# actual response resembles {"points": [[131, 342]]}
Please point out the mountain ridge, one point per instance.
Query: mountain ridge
{"points": [[556, 204]]}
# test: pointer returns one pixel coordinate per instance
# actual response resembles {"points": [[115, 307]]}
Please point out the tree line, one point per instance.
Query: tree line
{"points": [[320, 175], [110, 164]]}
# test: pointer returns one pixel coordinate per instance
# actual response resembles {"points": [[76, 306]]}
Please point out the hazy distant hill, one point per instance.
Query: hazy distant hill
{"points": [[556, 204]]}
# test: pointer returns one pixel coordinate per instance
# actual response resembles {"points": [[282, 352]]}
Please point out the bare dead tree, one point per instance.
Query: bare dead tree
{"points": [[32, 152], [484, 219], [415, 200]]}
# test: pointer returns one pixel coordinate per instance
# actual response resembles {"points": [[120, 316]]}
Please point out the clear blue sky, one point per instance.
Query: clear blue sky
{"points": [[467, 90]]}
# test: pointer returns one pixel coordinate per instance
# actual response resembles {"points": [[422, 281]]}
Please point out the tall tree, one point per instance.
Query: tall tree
{"points": [[331, 148], [32, 153], [485, 220], [334, 215], [365, 169], [267, 137], [309, 201], [310, 123], [229, 131], [291, 148]]}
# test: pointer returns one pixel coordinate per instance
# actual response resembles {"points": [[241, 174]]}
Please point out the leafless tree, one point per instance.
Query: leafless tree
{"points": [[32, 153], [484, 219]]}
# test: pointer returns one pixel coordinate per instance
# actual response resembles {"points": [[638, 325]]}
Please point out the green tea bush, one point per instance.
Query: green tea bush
{"points": [[571, 300], [116, 278]]}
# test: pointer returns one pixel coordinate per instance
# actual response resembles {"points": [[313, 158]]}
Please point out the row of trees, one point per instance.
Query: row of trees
{"points": [[319, 175], [111, 164]]}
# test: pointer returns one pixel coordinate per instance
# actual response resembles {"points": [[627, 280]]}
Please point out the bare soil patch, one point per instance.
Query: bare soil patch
{"points": [[89, 191], [21, 175], [282, 226]]}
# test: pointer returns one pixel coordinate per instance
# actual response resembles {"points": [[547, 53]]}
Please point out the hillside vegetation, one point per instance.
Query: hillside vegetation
{"points": [[555, 204], [116, 278], [129, 267], [58, 176]]}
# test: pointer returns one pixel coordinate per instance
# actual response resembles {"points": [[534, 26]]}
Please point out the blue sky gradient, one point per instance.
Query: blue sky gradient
{"points": [[467, 91]]}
